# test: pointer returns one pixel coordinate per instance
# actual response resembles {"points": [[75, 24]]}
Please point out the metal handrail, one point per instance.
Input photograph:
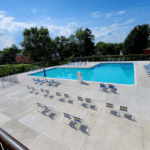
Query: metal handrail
{"points": [[8, 142]]}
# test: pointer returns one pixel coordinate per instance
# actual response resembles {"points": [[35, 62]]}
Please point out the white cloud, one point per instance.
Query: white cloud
{"points": [[48, 18], [2, 12], [121, 12], [95, 14], [34, 10], [71, 25], [6, 41], [128, 22], [116, 20], [9, 28], [103, 31], [108, 15], [8, 24], [1, 16], [113, 33], [60, 30]]}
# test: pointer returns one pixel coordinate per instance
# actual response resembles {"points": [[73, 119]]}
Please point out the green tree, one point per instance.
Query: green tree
{"points": [[137, 40], [88, 44], [101, 47], [79, 39], [9, 54], [62, 46], [117, 48], [109, 49], [73, 46], [37, 43]]}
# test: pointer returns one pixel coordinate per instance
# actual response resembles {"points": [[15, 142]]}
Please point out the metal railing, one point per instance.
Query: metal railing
{"points": [[8, 80], [8, 142]]}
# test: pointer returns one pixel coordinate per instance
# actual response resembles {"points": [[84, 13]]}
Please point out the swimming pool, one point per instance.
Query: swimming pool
{"points": [[118, 73]]}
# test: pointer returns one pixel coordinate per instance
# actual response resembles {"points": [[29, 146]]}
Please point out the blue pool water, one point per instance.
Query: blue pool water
{"points": [[119, 73]]}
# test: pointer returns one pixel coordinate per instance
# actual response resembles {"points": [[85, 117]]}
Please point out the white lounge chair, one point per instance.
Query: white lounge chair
{"points": [[68, 116], [112, 87], [40, 105], [67, 98], [55, 83]]}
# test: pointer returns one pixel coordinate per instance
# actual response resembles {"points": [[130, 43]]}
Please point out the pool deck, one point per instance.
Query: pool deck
{"points": [[36, 130]]}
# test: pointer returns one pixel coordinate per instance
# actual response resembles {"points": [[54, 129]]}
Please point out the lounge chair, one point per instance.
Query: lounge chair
{"points": [[78, 122], [42, 92], [80, 99], [40, 105], [110, 107], [122, 59], [118, 59], [85, 64], [81, 64], [75, 59], [146, 67], [55, 83], [90, 102], [112, 59], [48, 109], [3, 79], [68, 117], [33, 90], [60, 96], [42, 81], [102, 86], [39, 67], [31, 69], [68, 63], [35, 69], [36, 81], [148, 72], [112, 87], [78, 63], [108, 59], [67, 98], [28, 87], [48, 82], [87, 60], [73, 63], [47, 93], [125, 111]]}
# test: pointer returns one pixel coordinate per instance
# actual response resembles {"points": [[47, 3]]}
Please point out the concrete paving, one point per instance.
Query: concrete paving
{"points": [[39, 129]]}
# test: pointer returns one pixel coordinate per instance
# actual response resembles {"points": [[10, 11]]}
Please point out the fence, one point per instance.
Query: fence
{"points": [[8, 81], [133, 57]]}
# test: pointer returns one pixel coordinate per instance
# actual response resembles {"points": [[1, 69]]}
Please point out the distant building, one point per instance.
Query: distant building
{"points": [[146, 51], [23, 58]]}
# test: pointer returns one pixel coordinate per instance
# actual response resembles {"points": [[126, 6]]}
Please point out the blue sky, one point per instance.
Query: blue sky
{"points": [[109, 21]]}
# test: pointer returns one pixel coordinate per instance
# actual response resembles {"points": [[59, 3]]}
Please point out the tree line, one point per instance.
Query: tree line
{"points": [[40, 46]]}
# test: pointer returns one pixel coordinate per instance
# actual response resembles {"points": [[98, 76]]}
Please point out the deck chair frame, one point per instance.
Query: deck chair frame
{"points": [[68, 116]]}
